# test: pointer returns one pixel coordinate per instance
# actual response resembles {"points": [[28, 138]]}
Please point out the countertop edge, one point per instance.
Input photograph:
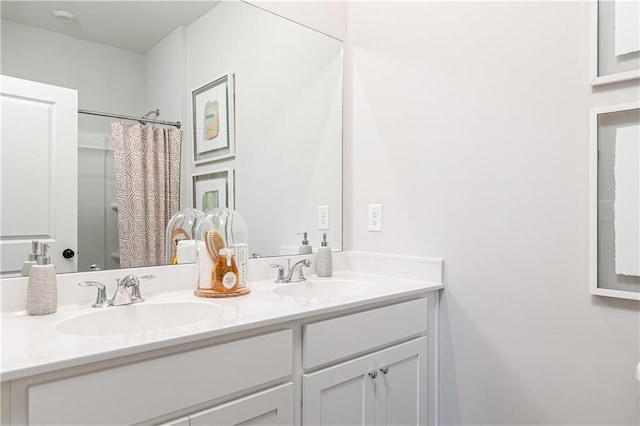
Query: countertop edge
{"points": [[21, 373]]}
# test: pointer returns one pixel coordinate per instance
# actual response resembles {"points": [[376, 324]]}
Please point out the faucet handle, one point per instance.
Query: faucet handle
{"points": [[147, 277], [135, 288], [280, 268], [101, 298]]}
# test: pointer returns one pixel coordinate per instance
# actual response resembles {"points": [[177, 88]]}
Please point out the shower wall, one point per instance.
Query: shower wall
{"points": [[97, 211]]}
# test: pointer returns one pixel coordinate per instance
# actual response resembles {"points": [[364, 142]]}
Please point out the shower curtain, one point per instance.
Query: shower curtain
{"points": [[147, 172]]}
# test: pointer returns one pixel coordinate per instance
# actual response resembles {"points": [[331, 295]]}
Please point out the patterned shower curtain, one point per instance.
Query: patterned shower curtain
{"points": [[147, 172]]}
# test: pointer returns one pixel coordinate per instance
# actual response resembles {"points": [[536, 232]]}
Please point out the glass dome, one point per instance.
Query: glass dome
{"points": [[228, 222], [221, 228], [180, 236]]}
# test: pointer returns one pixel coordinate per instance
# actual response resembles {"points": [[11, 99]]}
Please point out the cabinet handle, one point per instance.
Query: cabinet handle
{"points": [[373, 374], [384, 370]]}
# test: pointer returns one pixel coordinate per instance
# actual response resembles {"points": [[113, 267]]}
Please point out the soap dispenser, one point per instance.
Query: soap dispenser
{"points": [[42, 288], [225, 272], [32, 259], [324, 264], [305, 248]]}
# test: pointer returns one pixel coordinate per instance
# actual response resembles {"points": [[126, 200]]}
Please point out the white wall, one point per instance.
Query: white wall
{"points": [[327, 16], [106, 78], [469, 122], [288, 118], [165, 76]]}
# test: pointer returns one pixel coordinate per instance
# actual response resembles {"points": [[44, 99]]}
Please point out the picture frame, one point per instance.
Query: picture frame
{"points": [[614, 228], [615, 56], [213, 189], [213, 115]]}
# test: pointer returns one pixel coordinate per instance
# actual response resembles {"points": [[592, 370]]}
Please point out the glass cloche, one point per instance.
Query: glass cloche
{"points": [[180, 241], [219, 229], [229, 223]]}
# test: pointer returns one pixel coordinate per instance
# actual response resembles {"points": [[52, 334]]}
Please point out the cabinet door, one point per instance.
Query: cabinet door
{"points": [[401, 397], [340, 395], [271, 407]]}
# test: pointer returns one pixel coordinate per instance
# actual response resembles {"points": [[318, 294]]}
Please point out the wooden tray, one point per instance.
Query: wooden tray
{"points": [[210, 293]]}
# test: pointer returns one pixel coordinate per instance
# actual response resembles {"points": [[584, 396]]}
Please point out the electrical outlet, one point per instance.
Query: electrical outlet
{"points": [[375, 218], [323, 218]]}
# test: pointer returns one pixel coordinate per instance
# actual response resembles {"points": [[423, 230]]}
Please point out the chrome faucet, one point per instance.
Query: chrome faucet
{"points": [[295, 273], [127, 291]]}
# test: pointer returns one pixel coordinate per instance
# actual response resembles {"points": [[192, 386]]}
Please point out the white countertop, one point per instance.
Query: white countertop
{"points": [[31, 344]]}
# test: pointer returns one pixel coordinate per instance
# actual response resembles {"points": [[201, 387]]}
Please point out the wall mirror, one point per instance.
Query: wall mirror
{"points": [[133, 57]]}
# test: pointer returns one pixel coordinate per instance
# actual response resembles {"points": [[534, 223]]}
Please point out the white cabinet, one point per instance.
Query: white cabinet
{"points": [[159, 386], [401, 392], [338, 338], [271, 407], [343, 394], [385, 388], [366, 367]]}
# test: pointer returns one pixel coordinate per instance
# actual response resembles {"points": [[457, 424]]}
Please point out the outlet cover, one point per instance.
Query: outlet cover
{"points": [[375, 218], [323, 218]]}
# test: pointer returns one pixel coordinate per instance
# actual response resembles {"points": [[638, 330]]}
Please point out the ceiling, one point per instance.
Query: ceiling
{"points": [[131, 25]]}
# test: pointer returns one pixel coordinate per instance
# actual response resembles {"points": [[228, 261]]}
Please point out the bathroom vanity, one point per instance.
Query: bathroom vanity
{"points": [[357, 348]]}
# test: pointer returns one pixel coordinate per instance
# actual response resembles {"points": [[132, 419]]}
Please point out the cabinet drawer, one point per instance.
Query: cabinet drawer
{"points": [[330, 340], [136, 392], [271, 407]]}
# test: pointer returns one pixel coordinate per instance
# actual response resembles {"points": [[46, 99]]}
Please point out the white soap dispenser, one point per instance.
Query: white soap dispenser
{"points": [[42, 288], [305, 248], [324, 264], [32, 259]]}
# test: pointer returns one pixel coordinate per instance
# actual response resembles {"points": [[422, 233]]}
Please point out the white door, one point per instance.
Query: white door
{"points": [[39, 179], [401, 397], [271, 407], [340, 395]]}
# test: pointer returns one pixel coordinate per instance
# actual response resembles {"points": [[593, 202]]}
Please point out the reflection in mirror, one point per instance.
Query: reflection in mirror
{"points": [[288, 106]]}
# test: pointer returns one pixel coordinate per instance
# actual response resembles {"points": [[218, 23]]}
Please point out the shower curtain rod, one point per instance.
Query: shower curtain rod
{"points": [[128, 117]]}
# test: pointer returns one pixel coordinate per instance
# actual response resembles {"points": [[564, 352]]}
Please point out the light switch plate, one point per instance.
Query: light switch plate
{"points": [[375, 218], [323, 218]]}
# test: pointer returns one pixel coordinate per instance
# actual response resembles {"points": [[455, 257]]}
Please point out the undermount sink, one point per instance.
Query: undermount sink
{"points": [[136, 318], [323, 289]]}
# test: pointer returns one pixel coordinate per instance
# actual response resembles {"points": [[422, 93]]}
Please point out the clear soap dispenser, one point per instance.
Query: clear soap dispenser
{"points": [[324, 264], [305, 248]]}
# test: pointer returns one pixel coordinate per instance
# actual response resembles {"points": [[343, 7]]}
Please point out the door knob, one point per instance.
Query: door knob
{"points": [[384, 369], [68, 253], [373, 374]]}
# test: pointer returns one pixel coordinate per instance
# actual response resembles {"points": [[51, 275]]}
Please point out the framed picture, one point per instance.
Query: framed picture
{"points": [[614, 201], [214, 121], [615, 44], [213, 189]]}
